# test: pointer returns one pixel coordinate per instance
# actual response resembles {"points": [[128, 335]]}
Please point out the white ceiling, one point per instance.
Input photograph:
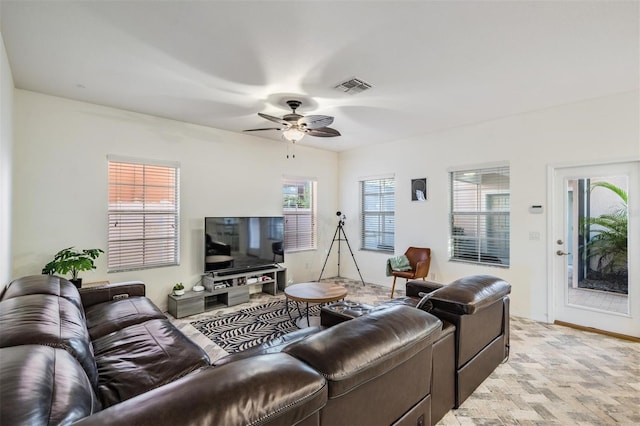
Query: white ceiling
{"points": [[433, 64]]}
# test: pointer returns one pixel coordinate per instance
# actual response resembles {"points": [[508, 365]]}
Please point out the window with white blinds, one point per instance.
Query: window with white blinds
{"points": [[480, 224], [299, 210], [144, 205], [378, 214]]}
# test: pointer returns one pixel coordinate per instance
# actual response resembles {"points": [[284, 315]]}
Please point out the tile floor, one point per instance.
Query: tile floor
{"points": [[554, 376]]}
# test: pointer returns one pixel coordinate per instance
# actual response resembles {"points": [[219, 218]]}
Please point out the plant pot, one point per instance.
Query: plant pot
{"points": [[178, 292], [77, 282]]}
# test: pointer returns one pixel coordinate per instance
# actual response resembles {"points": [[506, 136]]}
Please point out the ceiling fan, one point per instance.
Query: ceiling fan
{"points": [[295, 126]]}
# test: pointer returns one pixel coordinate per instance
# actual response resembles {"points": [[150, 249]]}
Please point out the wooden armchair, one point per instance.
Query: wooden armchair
{"points": [[420, 260]]}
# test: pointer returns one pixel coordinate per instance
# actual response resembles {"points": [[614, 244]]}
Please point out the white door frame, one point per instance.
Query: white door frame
{"points": [[632, 321]]}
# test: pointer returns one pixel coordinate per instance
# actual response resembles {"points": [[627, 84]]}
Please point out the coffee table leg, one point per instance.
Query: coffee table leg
{"points": [[299, 311], [287, 306], [300, 315]]}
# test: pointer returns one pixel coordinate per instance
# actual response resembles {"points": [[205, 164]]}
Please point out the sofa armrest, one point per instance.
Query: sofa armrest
{"points": [[105, 293], [266, 389], [470, 294], [354, 352], [419, 288]]}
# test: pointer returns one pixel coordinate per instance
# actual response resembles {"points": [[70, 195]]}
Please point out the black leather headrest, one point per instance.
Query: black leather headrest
{"points": [[470, 294]]}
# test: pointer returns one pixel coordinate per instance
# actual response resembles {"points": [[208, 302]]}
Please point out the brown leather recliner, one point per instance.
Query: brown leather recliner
{"points": [[478, 308], [474, 311], [420, 260]]}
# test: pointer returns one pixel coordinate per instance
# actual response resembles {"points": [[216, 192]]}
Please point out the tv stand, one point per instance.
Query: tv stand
{"points": [[227, 290]]}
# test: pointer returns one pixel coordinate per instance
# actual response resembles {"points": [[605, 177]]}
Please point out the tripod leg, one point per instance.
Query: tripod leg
{"points": [[352, 256], [328, 253]]}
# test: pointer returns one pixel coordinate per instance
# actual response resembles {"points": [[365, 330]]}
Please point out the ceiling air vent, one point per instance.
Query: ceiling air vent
{"points": [[353, 86]]}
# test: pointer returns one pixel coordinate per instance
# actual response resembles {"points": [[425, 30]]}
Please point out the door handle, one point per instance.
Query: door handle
{"points": [[561, 253]]}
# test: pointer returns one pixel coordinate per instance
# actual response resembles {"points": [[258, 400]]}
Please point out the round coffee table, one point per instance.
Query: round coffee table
{"points": [[312, 293]]}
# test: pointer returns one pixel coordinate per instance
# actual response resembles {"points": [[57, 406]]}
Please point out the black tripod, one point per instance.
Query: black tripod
{"points": [[339, 235]]}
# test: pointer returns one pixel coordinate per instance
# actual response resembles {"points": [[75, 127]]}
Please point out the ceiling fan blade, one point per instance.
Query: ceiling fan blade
{"points": [[323, 132], [274, 119], [315, 121], [266, 128]]}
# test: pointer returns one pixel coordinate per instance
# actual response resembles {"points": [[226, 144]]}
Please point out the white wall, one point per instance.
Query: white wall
{"points": [[60, 184], [606, 128], [6, 145]]}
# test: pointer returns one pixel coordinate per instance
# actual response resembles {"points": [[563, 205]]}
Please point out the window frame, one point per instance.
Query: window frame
{"points": [[297, 239], [142, 211], [488, 244], [380, 216]]}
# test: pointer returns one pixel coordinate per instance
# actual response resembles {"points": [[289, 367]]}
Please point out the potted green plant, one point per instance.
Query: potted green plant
{"points": [[72, 261], [178, 289]]}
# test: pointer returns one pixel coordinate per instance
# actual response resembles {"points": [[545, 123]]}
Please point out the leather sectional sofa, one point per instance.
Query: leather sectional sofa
{"points": [[107, 355]]}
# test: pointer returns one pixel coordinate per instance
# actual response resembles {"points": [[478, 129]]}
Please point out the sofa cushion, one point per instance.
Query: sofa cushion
{"points": [[107, 317], [470, 294], [43, 385], [43, 319], [142, 357], [44, 284]]}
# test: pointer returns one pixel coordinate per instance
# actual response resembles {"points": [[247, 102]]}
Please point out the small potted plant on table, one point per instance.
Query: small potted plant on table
{"points": [[72, 261], [178, 289]]}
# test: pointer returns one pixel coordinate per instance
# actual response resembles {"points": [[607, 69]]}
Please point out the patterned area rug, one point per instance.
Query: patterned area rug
{"points": [[249, 327]]}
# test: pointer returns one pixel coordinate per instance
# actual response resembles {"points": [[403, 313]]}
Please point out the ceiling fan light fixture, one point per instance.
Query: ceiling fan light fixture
{"points": [[293, 134], [293, 127]]}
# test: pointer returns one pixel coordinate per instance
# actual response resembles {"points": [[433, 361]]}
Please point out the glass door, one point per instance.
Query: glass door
{"points": [[593, 245]]}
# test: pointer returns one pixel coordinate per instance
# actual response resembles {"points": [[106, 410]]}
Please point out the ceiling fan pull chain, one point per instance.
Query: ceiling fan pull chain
{"points": [[291, 150]]}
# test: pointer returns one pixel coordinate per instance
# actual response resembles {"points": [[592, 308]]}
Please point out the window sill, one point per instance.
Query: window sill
{"points": [[471, 262]]}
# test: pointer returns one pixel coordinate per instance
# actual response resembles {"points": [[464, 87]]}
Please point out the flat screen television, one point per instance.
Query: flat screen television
{"points": [[236, 244]]}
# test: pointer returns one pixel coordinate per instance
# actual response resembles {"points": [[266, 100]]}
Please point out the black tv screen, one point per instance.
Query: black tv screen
{"points": [[234, 244]]}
